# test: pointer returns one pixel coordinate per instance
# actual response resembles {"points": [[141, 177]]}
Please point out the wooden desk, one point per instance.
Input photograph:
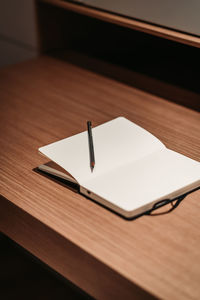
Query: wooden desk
{"points": [[47, 99]]}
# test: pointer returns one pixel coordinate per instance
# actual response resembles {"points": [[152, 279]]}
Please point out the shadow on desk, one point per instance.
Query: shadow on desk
{"points": [[154, 83]]}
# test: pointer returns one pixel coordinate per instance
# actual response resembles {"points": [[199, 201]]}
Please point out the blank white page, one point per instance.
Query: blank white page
{"points": [[116, 143], [160, 175]]}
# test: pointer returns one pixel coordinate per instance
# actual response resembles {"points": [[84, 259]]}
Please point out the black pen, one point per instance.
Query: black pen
{"points": [[91, 146]]}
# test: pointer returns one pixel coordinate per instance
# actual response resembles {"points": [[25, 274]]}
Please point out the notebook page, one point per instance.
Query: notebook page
{"points": [[163, 174], [116, 143]]}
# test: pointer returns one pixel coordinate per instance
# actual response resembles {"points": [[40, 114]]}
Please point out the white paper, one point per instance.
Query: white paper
{"points": [[116, 143], [162, 174]]}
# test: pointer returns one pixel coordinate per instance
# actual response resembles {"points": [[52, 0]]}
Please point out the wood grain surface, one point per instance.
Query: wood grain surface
{"points": [[48, 99], [128, 22]]}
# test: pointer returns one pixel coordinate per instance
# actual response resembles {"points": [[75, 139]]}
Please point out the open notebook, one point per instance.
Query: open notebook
{"points": [[133, 169]]}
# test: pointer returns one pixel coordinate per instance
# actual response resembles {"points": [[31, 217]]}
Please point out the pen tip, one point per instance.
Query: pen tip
{"points": [[92, 166]]}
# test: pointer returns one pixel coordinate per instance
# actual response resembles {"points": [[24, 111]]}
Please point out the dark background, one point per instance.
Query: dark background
{"points": [[22, 276]]}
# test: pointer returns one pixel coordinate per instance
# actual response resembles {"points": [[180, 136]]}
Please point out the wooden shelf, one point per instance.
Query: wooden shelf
{"points": [[128, 22], [48, 99]]}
